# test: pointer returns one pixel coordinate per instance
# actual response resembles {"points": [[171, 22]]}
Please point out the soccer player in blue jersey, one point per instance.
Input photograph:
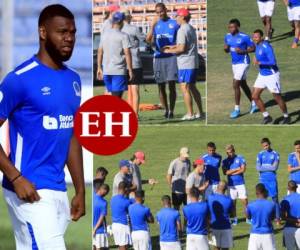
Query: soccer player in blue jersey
{"points": [[290, 212], [163, 31], [268, 77], [234, 166], [39, 99], [212, 163], [197, 216], [100, 240], [239, 45], [266, 9], [119, 205], [140, 216], [261, 212], [169, 225], [294, 17], [221, 208], [294, 165]]}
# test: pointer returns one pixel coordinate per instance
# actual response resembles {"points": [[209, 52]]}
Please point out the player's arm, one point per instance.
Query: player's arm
{"points": [[170, 174], [150, 218], [286, 2], [226, 48], [151, 34], [270, 57], [179, 226], [176, 49], [292, 169], [75, 166], [99, 64], [98, 224], [204, 186], [240, 170], [128, 59]]}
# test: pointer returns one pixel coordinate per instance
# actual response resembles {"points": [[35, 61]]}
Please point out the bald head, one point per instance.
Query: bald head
{"points": [[292, 186], [222, 187]]}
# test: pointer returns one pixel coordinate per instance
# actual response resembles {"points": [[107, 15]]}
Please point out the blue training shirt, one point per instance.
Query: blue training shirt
{"points": [[239, 40], [264, 53], [267, 163], [40, 103], [167, 219], [293, 162], [294, 3], [196, 214], [139, 214], [291, 205], [119, 208], [233, 163], [220, 207], [165, 32], [212, 164], [261, 212], [100, 209]]}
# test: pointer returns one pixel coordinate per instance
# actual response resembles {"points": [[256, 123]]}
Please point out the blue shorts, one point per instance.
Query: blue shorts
{"points": [[187, 75], [271, 186], [115, 83]]}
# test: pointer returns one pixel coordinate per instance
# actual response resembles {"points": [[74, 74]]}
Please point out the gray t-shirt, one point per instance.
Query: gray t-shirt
{"points": [[179, 171], [136, 176], [188, 59], [119, 177], [113, 44], [107, 25], [135, 37], [195, 180]]}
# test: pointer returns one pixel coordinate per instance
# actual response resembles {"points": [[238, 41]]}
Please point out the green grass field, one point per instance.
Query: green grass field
{"points": [[219, 74], [149, 95], [161, 150], [78, 235]]}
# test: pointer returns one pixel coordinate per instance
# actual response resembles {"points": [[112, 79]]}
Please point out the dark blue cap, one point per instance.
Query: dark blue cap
{"points": [[124, 163], [118, 17]]}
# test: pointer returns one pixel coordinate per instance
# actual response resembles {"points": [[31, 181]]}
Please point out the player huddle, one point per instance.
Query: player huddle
{"points": [[175, 58], [209, 209]]}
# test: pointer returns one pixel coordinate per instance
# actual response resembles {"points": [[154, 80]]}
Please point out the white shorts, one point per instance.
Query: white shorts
{"points": [[196, 242], [295, 14], [170, 245], [261, 241], [121, 234], [222, 238], [141, 240], [42, 223], [165, 69], [271, 82], [291, 238], [100, 240], [240, 71], [211, 189], [238, 192], [289, 14], [266, 8]]}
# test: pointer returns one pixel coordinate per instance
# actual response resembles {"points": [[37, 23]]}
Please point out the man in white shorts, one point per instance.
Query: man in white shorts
{"points": [[169, 225], [266, 9], [119, 205], [261, 212], [234, 166], [294, 17], [268, 77], [163, 32], [290, 212]]}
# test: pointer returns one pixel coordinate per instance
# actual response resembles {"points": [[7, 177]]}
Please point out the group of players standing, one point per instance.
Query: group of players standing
{"points": [[239, 45], [175, 58], [209, 202]]}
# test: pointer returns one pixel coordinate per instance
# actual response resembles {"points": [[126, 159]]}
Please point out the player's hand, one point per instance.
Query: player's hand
{"points": [[255, 62], [94, 232], [152, 181], [25, 190], [99, 74], [130, 73], [77, 207], [239, 51]]}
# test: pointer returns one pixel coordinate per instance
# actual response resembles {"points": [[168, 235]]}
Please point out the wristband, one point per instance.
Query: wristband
{"points": [[14, 179]]}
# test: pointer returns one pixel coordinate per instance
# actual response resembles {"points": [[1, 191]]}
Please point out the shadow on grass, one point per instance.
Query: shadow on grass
{"points": [[282, 36]]}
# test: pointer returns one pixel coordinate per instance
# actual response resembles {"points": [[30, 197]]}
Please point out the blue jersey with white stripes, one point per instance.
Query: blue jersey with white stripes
{"points": [[294, 3], [267, 162], [264, 54], [40, 103]]}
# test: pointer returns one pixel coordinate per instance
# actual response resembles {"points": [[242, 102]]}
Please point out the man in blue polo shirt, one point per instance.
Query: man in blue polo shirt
{"points": [[196, 214], [261, 212], [234, 166], [100, 240], [294, 165], [140, 216], [290, 212], [163, 31], [119, 211], [221, 208], [169, 225], [239, 45], [268, 77], [212, 163]]}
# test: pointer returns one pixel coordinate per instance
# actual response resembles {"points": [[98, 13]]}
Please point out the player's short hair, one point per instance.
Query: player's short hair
{"points": [[265, 140], [160, 5], [122, 186], [166, 199], [261, 189], [54, 10], [211, 145], [259, 31], [140, 194], [194, 193], [102, 170], [292, 185], [297, 143], [187, 18], [105, 186], [230, 147], [97, 184], [235, 21]]}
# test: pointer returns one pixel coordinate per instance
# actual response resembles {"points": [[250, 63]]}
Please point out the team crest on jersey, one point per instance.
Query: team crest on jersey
{"points": [[171, 26], [46, 90], [238, 40], [77, 89], [1, 96]]}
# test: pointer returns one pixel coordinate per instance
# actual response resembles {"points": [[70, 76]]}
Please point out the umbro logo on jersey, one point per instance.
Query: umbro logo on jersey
{"points": [[1, 96], [46, 90]]}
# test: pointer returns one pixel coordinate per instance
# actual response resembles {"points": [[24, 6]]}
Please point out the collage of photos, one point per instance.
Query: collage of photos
{"points": [[215, 163]]}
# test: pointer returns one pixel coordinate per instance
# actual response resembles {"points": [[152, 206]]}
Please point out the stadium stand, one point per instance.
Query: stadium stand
{"points": [[143, 12]]}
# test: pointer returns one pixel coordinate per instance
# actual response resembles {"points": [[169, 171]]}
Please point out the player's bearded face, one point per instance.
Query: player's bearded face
{"points": [[232, 28]]}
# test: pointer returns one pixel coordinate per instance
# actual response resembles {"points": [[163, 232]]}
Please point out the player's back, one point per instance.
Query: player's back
{"points": [[119, 208], [293, 162], [291, 205], [138, 214], [100, 208]]}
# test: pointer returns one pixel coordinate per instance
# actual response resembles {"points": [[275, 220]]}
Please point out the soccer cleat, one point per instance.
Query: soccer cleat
{"points": [[235, 114], [171, 115], [286, 120], [166, 115], [234, 221], [199, 116], [268, 119], [188, 117], [253, 109]]}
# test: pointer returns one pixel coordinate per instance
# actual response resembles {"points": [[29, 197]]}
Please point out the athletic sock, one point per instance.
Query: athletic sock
{"points": [[267, 38], [296, 40], [266, 114], [237, 107], [253, 103], [285, 115]]}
